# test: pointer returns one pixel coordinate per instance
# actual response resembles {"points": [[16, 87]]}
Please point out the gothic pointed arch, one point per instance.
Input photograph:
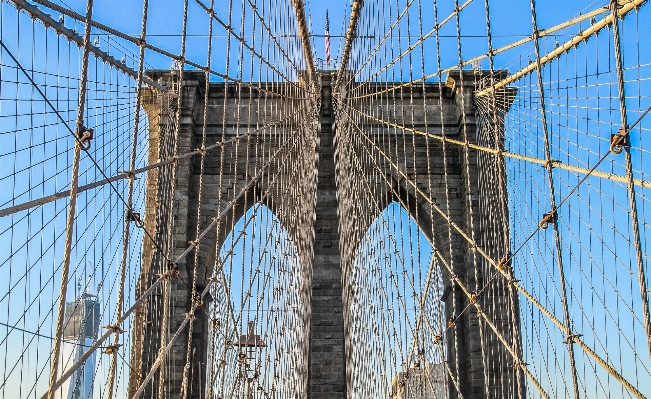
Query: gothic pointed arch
{"points": [[393, 289], [255, 323]]}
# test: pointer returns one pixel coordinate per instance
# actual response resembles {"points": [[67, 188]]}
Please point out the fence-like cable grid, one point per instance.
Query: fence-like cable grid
{"points": [[525, 217]]}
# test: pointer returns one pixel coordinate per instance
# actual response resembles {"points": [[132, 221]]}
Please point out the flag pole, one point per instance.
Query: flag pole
{"points": [[327, 41]]}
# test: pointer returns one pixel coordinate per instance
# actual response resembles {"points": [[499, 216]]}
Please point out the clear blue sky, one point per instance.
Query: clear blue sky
{"points": [[575, 132]]}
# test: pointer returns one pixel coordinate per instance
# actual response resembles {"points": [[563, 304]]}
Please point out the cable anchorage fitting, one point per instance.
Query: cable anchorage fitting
{"points": [[85, 136], [620, 140], [547, 219]]}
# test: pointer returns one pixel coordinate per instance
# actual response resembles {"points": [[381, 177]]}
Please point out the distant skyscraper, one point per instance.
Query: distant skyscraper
{"points": [[81, 323], [423, 383]]}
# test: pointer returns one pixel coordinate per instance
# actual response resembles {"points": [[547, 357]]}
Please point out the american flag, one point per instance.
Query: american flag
{"points": [[327, 39]]}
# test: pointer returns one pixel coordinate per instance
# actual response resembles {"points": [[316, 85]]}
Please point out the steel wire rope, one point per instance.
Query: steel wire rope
{"points": [[405, 206], [566, 47], [527, 295], [410, 48], [459, 315], [194, 305], [75, 136], [180, 58], [153, 286]]}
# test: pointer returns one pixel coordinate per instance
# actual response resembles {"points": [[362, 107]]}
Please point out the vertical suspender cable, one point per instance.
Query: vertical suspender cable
{"points": [[635, 222], [552, 200], [128, 218], [70, 223]]}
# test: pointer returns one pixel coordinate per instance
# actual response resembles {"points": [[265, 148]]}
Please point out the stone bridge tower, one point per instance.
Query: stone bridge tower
{"points": [[327, 346]]}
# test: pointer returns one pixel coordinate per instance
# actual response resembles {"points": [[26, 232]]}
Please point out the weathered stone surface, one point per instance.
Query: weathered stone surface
{"points": [[445, 179], [327, 372]]}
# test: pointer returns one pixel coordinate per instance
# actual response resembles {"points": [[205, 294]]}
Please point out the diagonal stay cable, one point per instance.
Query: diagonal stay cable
{"points": [[194, 305], [557, 164], [581, 37], [73, 36], [501, 268], [357, 160], [406, 52], [139, 41], [125, 174], [576, 187], [78, 141], [253, 51], [466, 291], [542, 33], [169, 273], [355, 13]]}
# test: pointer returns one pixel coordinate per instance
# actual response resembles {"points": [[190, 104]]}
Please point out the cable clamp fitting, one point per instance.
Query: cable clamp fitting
{"points": [[196, 298], [615, 5], [135, 217], [570, 338], [547, 219], [190, 315], [173, 269], [115, 328], [109, 350], [503, 263], [474, 296], [85, 136], [129, 174], [536, 34], [620, 140], [551, 163], [437, 338]]}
